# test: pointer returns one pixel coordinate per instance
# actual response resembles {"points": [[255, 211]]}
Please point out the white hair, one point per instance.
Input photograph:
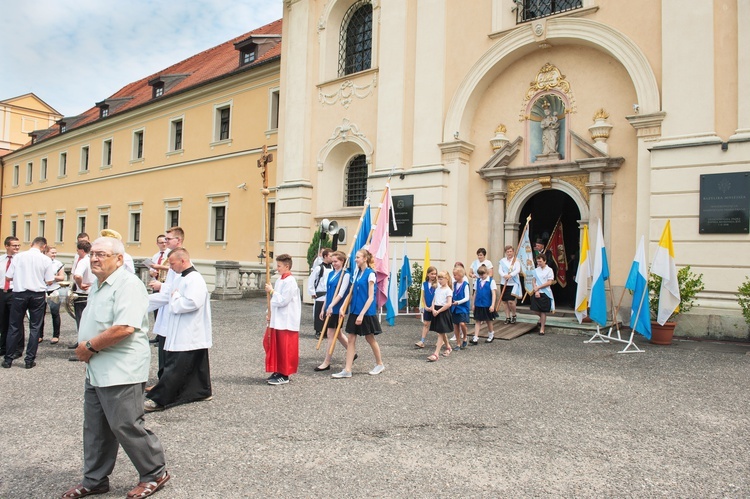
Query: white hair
{"points": [[115, 244]]}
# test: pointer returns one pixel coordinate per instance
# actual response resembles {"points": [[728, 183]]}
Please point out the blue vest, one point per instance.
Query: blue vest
{"points": [[458, 293], [483, 296], [360, 294], [333, 281], [429, 293]]}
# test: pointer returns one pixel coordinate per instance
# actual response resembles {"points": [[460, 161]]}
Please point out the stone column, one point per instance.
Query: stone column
{"points": [[227, 280], [496, 204], [743, 71], [648, 130], [456, 156]]}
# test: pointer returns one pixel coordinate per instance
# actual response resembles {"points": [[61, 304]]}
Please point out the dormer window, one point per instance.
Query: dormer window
{"points": [[164, 83], [247, 55], [103, 111], [63, 126], [158, 90], [251, 49]]}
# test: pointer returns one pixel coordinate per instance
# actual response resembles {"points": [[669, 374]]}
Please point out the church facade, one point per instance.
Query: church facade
{"points": [[482, 113]]}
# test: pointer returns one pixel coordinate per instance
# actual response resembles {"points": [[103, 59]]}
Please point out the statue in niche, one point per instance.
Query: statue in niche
{"points": [[550, 130]]}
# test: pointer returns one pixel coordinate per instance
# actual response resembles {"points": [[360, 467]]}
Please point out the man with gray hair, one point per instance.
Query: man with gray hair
{"points": [[113, 341]]}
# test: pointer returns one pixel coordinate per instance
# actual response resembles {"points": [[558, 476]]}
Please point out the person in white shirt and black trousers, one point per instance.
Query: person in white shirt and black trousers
{"points": [[12, 246], [317, 286], [31, 273]]}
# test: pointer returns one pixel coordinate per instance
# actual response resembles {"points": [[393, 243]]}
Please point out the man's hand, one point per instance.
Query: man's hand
{"points": [[83, 353], [155, 285]]}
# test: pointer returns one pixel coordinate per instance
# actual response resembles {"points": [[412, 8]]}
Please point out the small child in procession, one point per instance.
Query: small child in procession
{"points": [[281, 341], [428, 293], [485, 294], [460, 307], [442, 322]]}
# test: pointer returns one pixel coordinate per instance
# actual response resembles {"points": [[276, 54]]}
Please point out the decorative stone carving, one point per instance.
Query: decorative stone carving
{"points": [[546, 182], [579, 182], [514, 186], [347, 91], [600, 130], [500, 139], [345, 132], [548, 78]]}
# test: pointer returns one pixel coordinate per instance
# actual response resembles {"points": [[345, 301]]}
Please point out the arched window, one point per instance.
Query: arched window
{"points": [[355, 42], [356, 181]]}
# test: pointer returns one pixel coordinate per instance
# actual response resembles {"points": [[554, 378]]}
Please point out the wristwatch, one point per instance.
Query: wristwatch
{"points": [[88, 345]]}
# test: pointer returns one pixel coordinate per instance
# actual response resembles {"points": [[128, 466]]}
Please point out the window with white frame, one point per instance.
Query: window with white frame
{"points": [[26, 230], [173, 218], [60, 229], [134, 231], [104, 221], [138, 136], [273, 111], [218, 205], [29, 172], [175, 135], [14, 228], [107, 153], [84, 159], [172, 208], [42, 226], [222, 122], [43, 170], [16, 170], [81, 222], [62, 170]]}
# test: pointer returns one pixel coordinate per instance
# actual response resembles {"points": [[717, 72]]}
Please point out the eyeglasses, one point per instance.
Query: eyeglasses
{"points": [[99, 255], [170, 238]]}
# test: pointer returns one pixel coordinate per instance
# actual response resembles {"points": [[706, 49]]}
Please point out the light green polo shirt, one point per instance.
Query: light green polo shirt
{"points": [[120, 300]]}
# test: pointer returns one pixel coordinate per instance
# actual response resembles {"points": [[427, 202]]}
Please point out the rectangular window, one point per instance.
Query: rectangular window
{"points": [[218, 221], [135, 227], [103, 222], [63, 170], [84, 159], [16, 169], [138, 144], [173, 218], [107, 153], [222, 122], [29, 172], [60, 230], [43, 170], [158, 90], [271, 220], [41, 228], [175, 135], [528, 10], [273, 118], [81, 223], [26, 231], [13, 228]]}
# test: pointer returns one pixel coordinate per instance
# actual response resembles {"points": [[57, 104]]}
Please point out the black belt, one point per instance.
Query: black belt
{"points": [[7, 290]]}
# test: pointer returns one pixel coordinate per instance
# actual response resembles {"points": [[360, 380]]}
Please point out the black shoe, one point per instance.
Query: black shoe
{"points": [[29, 365], [279, 380], [72, 346], [355, 357], [273, 376], [6, 365], [317, 336], [155, 340], [513, 320], [73, 358], [326, 368]]}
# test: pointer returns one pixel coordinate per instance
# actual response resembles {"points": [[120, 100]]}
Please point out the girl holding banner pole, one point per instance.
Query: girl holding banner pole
{"points": [[542, 301], [428, 291], [332, 306], [509, 270]]}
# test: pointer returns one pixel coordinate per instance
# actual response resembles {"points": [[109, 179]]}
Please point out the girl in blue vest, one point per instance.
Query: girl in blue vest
{"points": [[362, 319], [485, 292], [332, 304], [428, 292], [460, 308]]}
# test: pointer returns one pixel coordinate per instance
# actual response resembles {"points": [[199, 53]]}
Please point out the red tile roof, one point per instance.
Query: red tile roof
{"points": [[214, 63]]}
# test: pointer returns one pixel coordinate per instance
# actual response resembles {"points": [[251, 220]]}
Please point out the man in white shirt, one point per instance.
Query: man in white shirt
{"points": [[12, 247], [317, 284], [186, 377], [31, 273]]}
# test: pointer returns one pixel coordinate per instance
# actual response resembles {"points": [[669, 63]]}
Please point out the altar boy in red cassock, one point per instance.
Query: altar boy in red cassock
{"points": [[281, 341]]}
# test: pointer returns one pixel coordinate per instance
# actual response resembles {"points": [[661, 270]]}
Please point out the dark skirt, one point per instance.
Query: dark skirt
{"points": [[442, 323], [186, 378], [483, 314], [458, 318], [427, 316], [318, 322], [541, 304], [370, 325], [508, 295], [333, 321]]}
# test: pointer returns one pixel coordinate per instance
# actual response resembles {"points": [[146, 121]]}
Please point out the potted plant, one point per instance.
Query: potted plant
{"points": [[743, 298], [690, 285]]}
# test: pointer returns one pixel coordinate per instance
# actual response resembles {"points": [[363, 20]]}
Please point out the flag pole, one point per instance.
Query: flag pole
{"points": [[546, 248], [513, 262], [346, 262], [347, 300]]}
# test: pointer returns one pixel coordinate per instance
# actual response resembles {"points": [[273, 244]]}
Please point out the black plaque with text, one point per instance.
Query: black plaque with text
{"points": [[725, 203], [403, 208]]}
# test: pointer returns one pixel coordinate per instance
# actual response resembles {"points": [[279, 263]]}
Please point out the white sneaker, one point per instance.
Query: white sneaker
{"points": [[343, 374], [453, 338], [377, 369], [490, 338]]}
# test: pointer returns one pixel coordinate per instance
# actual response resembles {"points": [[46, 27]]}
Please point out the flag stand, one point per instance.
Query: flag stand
{"points": [[598, 337]]}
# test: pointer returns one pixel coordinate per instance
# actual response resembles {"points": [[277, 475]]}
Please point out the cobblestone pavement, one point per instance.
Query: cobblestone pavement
{"points": [[537, 416]]}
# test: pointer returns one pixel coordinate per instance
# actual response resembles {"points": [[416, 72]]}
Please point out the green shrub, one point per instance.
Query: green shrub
{"points": [[312, 250], [690, 285], [743, 298]]}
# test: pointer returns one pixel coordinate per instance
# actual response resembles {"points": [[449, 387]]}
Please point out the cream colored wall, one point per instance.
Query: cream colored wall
{"points": [[202, 169], [726, 67], [20, 116]]}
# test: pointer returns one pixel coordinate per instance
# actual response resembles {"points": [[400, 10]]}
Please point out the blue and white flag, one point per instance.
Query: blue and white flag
{"points": [[598, 298], [404, 283], [362, 235], [640, 314]]}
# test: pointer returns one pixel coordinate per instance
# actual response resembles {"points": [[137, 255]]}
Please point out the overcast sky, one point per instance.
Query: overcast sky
{"points": [[73, 53]]}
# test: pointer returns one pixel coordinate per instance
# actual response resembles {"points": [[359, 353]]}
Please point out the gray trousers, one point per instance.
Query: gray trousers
{"points": [[113, 416]]}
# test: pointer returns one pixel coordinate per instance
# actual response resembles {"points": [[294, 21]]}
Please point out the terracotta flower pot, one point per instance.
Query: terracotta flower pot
{"points": [[662, 335]]}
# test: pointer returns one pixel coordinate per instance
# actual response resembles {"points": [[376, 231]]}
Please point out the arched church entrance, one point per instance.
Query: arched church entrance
{"points": [[546, 208]]}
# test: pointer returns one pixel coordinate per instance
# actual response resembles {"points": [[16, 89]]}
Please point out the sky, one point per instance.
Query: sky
{"points": [[74, 53]]}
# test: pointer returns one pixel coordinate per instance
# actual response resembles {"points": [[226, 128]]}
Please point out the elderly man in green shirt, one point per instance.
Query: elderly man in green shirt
{"points": [[113, 341]]}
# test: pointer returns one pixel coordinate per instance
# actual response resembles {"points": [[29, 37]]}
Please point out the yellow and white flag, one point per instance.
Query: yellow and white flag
{"points": [[582, 277], [664, 267]]}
